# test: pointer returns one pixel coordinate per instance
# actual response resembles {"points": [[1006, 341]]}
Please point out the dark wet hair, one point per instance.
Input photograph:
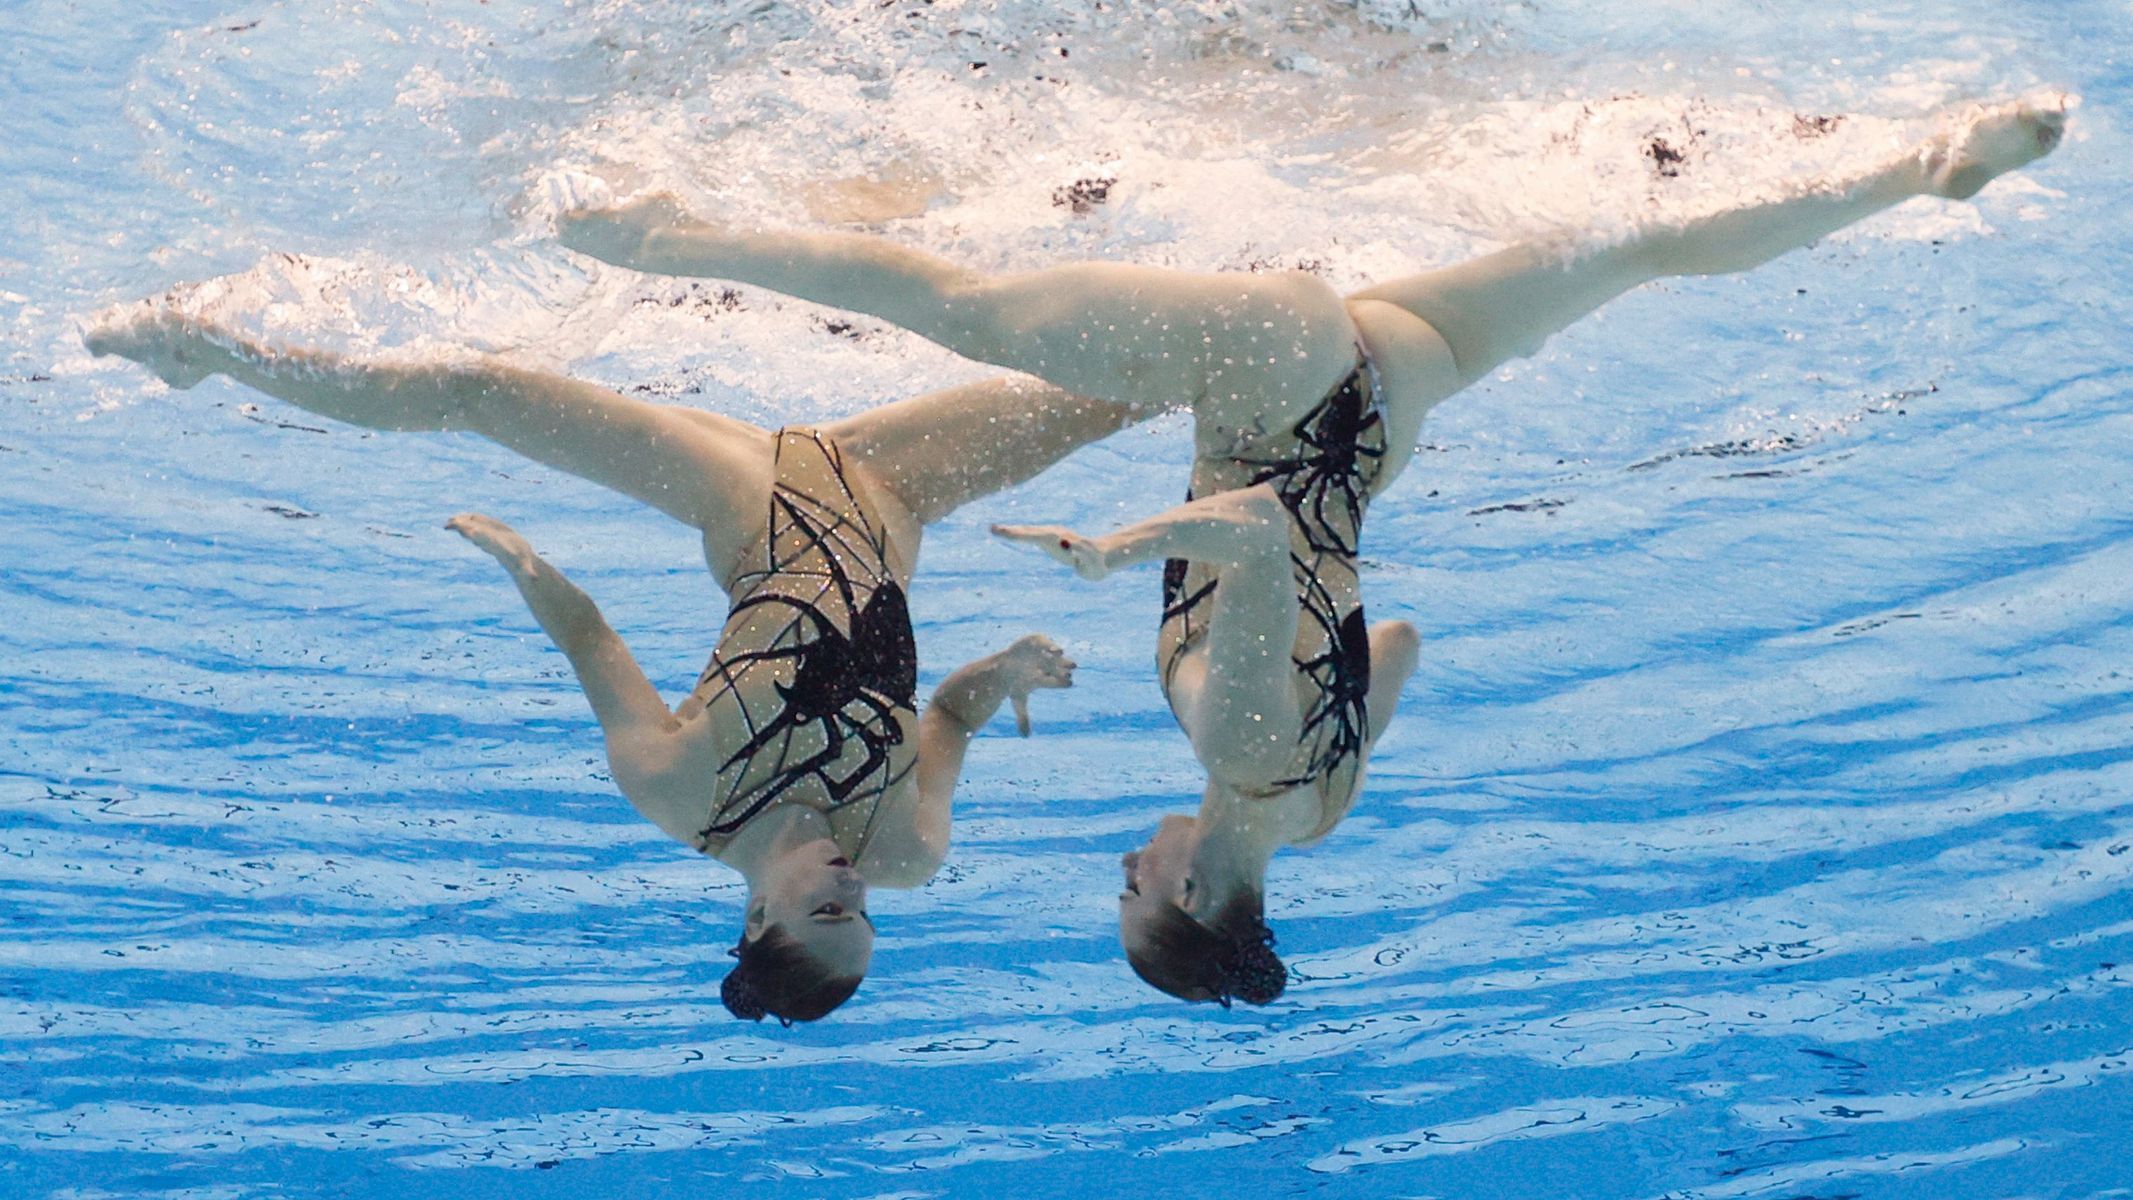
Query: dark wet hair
{"points": [[777, 977], [1230, 958]]}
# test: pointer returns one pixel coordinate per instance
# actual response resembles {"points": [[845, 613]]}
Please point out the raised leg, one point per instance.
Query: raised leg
{"points": [[1506, 304], [944, 449], [1235, 695], [1139, 336], [703, 469]]}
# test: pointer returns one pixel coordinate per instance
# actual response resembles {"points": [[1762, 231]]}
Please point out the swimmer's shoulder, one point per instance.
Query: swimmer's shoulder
{"points": [[669, 773]]}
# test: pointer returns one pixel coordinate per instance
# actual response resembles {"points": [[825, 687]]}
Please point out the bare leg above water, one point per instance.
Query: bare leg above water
{"points": [[706, 470], [1497, 307], [1140, 336]]}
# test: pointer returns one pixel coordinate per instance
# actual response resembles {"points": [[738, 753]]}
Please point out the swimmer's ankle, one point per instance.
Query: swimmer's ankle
{"points": [[1959, 162]]}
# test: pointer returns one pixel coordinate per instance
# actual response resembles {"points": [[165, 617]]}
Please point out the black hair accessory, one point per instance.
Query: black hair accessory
{"points": [[737, 992], [1251, 971]]}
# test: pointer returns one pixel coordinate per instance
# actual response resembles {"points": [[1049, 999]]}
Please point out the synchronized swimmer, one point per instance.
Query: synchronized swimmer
{"points": [[800, 760]]}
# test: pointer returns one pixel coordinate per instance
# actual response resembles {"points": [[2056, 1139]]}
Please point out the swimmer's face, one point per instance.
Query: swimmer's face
{"points": [[818, 897], [1159, 872]]}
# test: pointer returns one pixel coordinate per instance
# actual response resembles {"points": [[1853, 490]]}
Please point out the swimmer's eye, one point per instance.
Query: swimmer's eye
{"points": [[828, 910]]}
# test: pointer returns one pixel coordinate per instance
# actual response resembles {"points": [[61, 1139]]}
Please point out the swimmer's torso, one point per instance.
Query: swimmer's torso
{"points": [[1324, 468], [809, 696]]}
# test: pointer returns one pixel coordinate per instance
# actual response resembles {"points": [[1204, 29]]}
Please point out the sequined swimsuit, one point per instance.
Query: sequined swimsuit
{"points": [[813, 682], [1324, 468]]}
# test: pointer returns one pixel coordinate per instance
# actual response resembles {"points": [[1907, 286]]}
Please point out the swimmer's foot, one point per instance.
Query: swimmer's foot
{"points": [[1993, 142], [1082, 554], [616, 233], [503, 543], [178, 349]]}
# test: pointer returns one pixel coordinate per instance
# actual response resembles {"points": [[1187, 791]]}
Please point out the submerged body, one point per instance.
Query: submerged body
{"points": [[811, 695], [1264, 660], [800, 759], [1324, 470]]}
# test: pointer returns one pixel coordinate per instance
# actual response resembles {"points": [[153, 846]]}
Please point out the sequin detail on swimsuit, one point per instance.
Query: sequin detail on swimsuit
{"points": [[1324, 476], [816, 666]]}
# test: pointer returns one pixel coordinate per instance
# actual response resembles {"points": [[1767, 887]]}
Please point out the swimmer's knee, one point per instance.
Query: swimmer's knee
{"points": [[973, 314], [1395, 635], [1396, 645]]}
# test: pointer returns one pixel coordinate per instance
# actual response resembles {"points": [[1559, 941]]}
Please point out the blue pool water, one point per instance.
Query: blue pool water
{"points": [[1756, 826]]}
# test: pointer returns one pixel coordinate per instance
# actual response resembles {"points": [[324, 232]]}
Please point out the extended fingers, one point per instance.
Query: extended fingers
{"points": [[1042, 662], [1055, 540], [1056, 671], [1062, 544]]}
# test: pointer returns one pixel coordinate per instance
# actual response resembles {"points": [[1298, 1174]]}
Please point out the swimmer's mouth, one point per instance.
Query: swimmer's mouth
{"points": [[840, 861]]}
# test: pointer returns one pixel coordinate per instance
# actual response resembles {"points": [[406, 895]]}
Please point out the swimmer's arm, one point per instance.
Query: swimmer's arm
{"points": [[645, 746], [907, 853]]}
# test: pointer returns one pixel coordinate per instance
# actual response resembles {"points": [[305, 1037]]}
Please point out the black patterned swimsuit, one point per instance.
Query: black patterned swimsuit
{"points": [[1324, 469], [813, 683]]}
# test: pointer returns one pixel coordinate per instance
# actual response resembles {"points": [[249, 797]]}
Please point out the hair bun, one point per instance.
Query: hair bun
{"points": [[737, 992], [1255, 974]]}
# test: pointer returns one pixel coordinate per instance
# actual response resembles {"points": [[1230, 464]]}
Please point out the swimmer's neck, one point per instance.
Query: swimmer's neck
{"points": [[770, 838]]}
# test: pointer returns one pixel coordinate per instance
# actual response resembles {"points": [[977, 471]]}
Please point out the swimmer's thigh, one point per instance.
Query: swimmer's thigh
{"points": [[939, 451], [1239, 348], [703, 469], [1501, 306]]}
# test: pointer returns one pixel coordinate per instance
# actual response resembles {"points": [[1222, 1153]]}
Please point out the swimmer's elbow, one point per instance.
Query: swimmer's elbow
{"points": [[650, 772]]}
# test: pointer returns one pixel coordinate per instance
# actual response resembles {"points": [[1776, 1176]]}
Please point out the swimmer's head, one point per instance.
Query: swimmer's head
{"points": [[1182, 938], [807, 942]]}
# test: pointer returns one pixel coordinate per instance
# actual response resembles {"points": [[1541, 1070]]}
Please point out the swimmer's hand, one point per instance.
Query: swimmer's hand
{"points": [[616, 233], [1993, 141], [503, 543], [178, 349], [1033, 662], [1068, 547]]}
